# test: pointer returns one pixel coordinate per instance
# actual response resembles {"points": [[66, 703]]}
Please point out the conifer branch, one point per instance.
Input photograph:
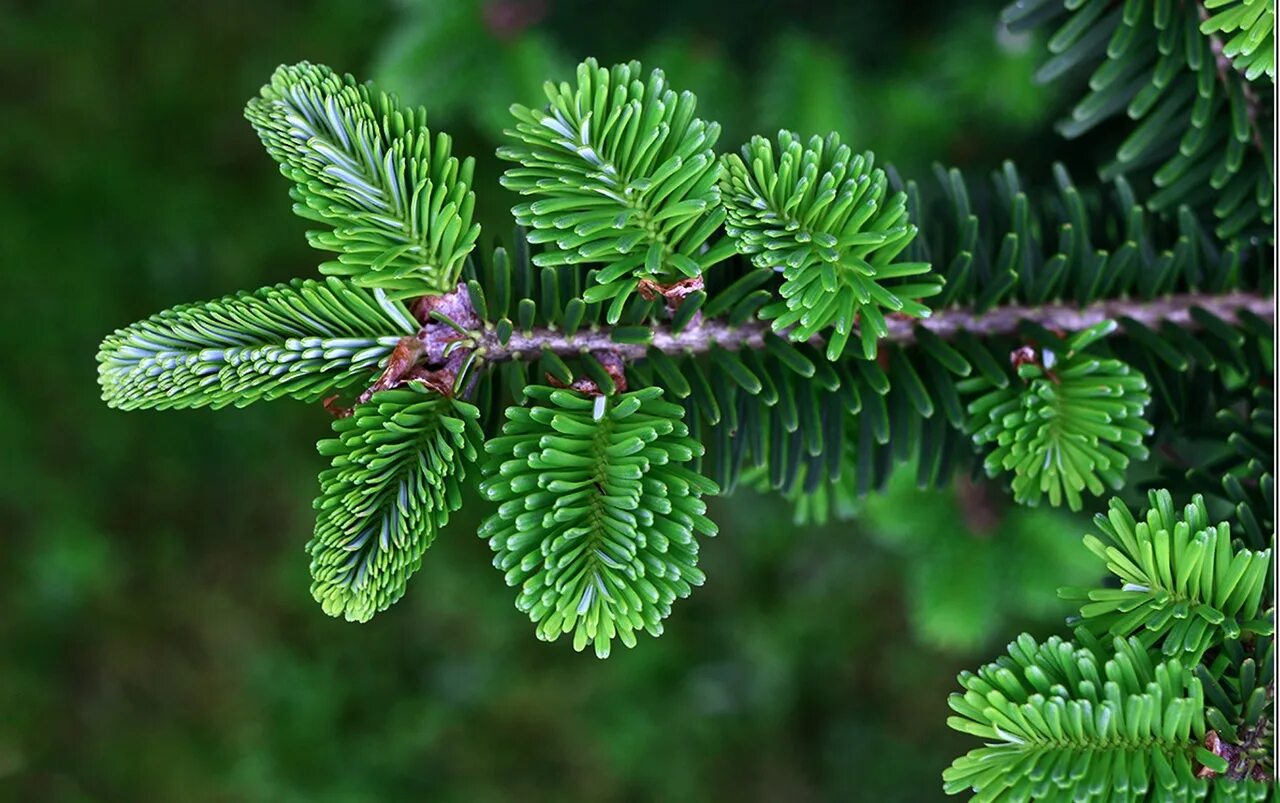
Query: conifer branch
{"points": [[570, 364]]}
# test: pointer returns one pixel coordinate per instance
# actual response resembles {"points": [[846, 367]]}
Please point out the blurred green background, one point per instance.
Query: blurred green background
{"points": [[157, 638]]}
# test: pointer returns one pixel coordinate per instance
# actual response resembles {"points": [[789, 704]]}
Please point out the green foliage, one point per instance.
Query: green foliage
{"points": [[781, 412], [1153, 62], [629, 187], [1252, 48], [999, 244], [597, 513], [1071, 722], [1184, 587], [302, 340], [626, 178], [1074, 424], [398, 463], [461, 672], [399, 204], [823, 218], [766, 394], [723, 294], [776, 411]]}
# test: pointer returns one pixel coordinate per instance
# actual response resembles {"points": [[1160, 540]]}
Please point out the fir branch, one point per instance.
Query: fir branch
{"points": [[622, 175], [613, 435], [395, 203], [1070, 425], [302, 340], [1169, 559], [598, 514], [826, 221], [398, 466]]}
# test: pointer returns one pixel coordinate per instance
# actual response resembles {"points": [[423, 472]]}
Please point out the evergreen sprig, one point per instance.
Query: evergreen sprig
{"points": [[397, 203], [625, 178], [1068, 722], [825, 219], [398, 464], [597, 512], [1184, 587], [302, 340], [693, 313], [802, 416], [1073, 424]]}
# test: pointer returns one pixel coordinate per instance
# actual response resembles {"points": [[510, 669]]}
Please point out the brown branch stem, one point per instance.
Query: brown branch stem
{"points": [[946, 323]]}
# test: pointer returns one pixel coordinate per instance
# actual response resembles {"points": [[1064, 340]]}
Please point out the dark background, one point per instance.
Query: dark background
{"points": [[157, 638]]}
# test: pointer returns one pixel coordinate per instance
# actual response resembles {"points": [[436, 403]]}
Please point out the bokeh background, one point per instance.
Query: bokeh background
{"points": [[157, 638]]}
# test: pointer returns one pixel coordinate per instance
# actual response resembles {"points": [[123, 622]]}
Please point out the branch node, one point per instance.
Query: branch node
{"points": [[1023, 355], [402, 360], [674, 293], [1044, 360]]}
